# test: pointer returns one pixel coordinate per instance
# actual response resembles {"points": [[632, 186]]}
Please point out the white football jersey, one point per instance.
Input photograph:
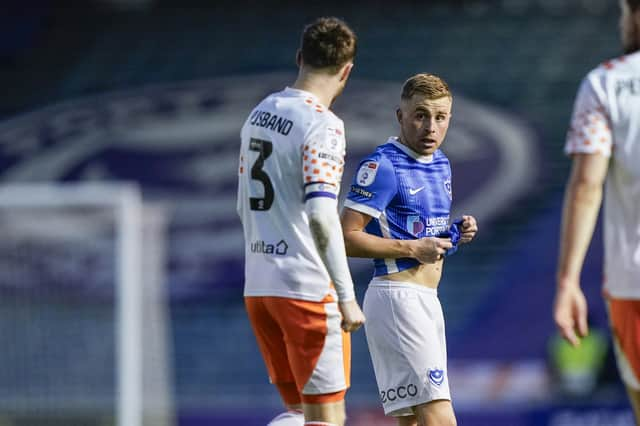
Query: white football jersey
{"points": [[606, 120], [292, 149]]}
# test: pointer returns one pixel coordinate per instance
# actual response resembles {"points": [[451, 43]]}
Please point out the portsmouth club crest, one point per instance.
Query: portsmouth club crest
{"points": [[436, 376], [447, 187]]}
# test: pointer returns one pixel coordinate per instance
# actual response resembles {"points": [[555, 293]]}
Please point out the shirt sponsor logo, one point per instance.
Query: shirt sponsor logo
{"points": [[367, 173], [415, 225], [401, 392], [361, 192], [432, 226], [327, 156], [280, 248]]}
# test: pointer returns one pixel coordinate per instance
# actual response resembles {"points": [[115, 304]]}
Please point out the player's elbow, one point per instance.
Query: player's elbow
{"points": [[586, 190], [350, 242], [319, 219], [586, 182], [320, 232]]}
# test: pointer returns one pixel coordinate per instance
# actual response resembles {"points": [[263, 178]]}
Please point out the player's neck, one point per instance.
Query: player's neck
{"points": [[320, 85]]}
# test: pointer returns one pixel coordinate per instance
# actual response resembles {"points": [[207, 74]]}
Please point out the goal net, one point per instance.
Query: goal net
{"points": [[83, 312]]}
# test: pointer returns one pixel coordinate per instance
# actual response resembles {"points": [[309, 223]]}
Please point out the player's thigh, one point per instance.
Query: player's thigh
{"points": [[270, 338], [319, 352], [435, 413], [405, 334], [273, 347]]}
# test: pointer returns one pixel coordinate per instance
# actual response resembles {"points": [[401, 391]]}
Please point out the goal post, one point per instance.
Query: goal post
{"points": [[86, 268]]}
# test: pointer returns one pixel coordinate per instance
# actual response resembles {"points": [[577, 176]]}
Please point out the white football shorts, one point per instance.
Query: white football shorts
{"points": [[406, 338]]}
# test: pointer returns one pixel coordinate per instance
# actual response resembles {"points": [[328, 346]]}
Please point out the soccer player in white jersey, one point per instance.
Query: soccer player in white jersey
{"points": [[397, 213], [604, 143], [298, 290]]}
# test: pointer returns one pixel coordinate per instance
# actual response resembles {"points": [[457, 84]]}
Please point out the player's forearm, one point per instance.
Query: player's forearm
{"points": [[580, 213], [324, 224], [361, 244]]}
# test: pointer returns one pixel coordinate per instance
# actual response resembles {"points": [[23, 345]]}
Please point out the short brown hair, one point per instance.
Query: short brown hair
{"points": [[633, 4], [429, 85], [328, 42]]}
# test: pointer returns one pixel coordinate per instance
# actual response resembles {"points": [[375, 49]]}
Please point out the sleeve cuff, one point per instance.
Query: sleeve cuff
{"points": [[362, 208]]}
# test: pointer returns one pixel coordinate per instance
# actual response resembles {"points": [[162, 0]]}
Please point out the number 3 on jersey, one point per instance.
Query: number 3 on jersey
{"points": [[264, 149]]}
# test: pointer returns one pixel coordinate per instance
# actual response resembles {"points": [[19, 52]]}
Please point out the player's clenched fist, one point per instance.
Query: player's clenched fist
{"points": [[352, 316], [429, 249], [468, 229]]}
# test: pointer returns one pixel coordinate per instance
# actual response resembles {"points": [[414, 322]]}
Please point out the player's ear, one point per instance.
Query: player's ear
{"points": [[299, 58], [399, 115], [345, 71]]}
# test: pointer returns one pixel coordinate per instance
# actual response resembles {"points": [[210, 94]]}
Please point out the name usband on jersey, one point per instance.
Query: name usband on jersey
{"points": [[270, 121], [320, 189]]}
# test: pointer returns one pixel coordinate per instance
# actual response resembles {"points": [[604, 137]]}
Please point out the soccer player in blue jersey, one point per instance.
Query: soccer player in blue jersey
{"points": [[397, 213]]}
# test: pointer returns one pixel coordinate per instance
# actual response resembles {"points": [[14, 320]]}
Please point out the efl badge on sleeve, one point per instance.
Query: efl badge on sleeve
{"points": [[335, 139], [367, 173]]}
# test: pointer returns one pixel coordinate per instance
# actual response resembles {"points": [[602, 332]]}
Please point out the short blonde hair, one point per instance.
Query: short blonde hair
{"points": [[429, 85]]}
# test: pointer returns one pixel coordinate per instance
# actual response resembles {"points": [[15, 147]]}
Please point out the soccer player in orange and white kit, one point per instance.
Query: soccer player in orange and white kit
{"points": [[604, 142], [298, 290]]}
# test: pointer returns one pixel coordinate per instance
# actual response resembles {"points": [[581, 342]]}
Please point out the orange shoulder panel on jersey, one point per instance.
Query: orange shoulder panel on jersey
{"points": [[611, 63], [590, 129]]}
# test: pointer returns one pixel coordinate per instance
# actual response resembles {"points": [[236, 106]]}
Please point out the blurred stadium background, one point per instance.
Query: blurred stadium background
{"points": [[154, 92]]}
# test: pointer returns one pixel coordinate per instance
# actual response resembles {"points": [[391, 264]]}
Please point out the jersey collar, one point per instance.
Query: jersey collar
{"points": [[299, 92], [411, 153]]}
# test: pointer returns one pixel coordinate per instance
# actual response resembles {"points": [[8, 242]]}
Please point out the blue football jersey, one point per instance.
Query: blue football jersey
{"points": [[407, 195]]}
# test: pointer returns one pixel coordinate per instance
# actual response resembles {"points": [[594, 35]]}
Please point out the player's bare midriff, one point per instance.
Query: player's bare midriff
{"points": [[426, 274]]}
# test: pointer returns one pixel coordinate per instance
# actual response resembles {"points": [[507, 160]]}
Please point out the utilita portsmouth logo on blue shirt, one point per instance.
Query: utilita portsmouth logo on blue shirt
{"points": [[436, 376], [431, 226]]}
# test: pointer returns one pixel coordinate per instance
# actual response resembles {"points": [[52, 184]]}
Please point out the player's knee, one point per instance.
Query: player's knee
{"points": [[407, 421], [450, 420], [331, 417], [441, 419], [436, 413], [324, 413]]}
